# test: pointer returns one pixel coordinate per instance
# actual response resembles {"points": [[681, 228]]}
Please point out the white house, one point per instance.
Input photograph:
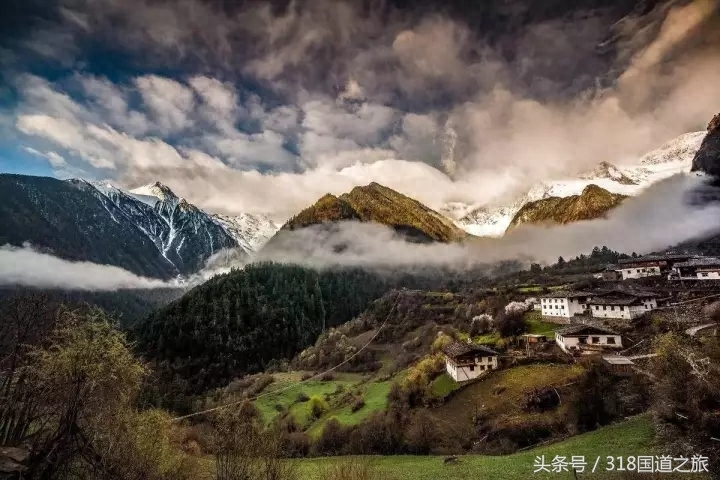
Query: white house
{"points": [[561, 306], [586, 338], [648, 266], [466, 361], [701, 268], [625, 306]]}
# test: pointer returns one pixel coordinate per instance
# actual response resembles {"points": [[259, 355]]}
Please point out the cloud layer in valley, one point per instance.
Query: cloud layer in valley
{"points": [[665, 214], [275, 107], [29, 267]]}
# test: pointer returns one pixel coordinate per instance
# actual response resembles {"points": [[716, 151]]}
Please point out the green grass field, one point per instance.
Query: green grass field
{"points": [[375, 396], [373, 393], [631, 437], [537, 326]]}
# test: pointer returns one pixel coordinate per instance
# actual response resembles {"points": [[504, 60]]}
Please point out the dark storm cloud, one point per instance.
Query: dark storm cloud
{"points": [[278, 104]]}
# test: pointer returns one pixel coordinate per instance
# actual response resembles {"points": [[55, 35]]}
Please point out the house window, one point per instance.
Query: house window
{"points": [[604, 307], [612, 308], [704, 274], [611, 340], [472, 368], [596, 339], [597, 308]]}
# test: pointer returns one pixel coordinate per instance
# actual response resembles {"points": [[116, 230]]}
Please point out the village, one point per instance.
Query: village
{"points": [[602, 322]]}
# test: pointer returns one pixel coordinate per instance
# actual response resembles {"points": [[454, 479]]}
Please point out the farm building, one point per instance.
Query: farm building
{"points": [[701, 268], [618, 364], [465, 361], [586, 338], [622, 305], [561, 306], [610, 274], [648, 266]]}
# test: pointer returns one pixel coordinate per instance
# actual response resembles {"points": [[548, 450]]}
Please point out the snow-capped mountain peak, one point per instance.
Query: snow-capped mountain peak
{"points": [[249, 230], [157, 190], [609, 171], [671, 158], [680, 148]]}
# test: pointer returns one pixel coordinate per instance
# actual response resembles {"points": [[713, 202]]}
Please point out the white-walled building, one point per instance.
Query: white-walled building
{"points": [[648, 266], [622, 306], [561, 306], [466, 361], [586, 338], [701, 268]]}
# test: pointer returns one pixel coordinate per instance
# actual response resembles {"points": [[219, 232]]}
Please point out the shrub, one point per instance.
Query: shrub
{"points": [[511, 324], [296, 445], [358, 404], [318, 406], [440, 342], [302, 397], [333, 439], [327, 377], [422, 434]]}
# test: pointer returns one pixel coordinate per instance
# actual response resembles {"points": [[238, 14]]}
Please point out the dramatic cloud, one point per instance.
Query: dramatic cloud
{"points": [[28, 267], [277, 106]]}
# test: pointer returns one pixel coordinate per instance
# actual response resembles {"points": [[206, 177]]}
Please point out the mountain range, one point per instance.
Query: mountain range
{"points": [[149, 231], [493, 220], [152, 232]]}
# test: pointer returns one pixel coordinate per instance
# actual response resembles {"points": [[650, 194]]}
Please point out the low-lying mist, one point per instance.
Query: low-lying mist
{"points": [[29, 267], [664, 215], [675, 210]]}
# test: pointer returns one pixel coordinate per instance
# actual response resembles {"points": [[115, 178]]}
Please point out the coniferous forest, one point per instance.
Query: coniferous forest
{"points": [[239, 322]]}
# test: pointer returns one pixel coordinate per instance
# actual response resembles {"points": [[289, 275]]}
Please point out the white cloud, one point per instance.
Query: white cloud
{"points": [[169, 101], [640, 224], [342, 74], [28, 267]]}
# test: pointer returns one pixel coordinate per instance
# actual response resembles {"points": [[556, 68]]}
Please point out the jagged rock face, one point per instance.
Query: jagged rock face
{"points": [[594, 202], [707, 159]]}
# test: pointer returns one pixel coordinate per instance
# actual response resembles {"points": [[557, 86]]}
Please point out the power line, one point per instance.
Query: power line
{"points": [[300, 382]]}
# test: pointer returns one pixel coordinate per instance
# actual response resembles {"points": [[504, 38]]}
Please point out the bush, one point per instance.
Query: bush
{"points": [[511, 324], [302, 397], [334, 438], [357, 405], [441, 342], [327, 377], [381, 434], [423, 433], [296, 445], [318, 406]]}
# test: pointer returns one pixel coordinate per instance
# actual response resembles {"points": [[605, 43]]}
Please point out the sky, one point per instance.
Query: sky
{"points": [[263, 107]]}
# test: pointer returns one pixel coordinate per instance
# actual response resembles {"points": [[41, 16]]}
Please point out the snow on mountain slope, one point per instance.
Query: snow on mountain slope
{"points": [[154, 192], [250, 231], [672, 158], [185, 235]]}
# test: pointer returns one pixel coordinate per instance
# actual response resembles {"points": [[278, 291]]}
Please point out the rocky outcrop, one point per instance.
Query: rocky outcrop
{"points": [[378, 204], [707, 159], [593, 202]]}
